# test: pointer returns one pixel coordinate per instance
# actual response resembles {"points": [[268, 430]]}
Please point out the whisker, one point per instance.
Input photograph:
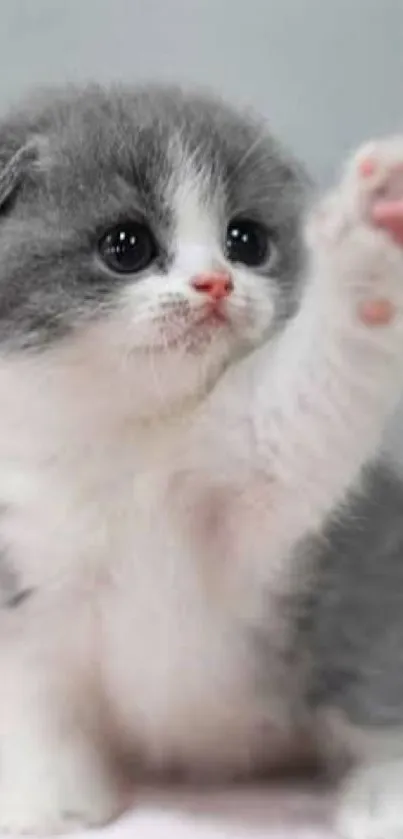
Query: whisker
{"points": [[245, 300]]}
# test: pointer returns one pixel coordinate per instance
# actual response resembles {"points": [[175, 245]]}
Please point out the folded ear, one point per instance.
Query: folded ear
{"points": [[16, 168]]}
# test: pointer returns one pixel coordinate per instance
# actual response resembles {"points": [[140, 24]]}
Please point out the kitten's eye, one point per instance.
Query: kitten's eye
{"points": [[248, 242], [128, 248]]}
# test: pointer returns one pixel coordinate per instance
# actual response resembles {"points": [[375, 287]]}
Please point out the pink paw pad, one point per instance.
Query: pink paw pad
{"points": [[367, 167], [389, 216], [376, 312]]}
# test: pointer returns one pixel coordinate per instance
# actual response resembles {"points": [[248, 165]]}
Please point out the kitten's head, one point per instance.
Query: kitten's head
{"points": [[146, 235]]}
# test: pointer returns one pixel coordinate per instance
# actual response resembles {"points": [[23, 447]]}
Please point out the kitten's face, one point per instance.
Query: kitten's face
{"points": [[155, 239]]}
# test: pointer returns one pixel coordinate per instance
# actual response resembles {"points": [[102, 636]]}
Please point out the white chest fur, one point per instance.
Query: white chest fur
{"points": [[131, 548]]}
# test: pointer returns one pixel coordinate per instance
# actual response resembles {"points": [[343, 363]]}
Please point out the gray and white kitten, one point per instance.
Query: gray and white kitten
{"points": [[187, 402]]}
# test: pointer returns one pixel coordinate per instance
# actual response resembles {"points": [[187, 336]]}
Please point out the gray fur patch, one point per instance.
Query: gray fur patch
{"points": [[351, 623]]}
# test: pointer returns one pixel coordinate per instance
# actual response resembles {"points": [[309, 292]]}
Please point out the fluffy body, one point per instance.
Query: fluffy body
{"points": [[174, 488]]}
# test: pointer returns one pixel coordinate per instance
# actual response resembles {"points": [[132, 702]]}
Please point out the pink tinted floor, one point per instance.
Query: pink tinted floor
{"points": [[292, 812]]}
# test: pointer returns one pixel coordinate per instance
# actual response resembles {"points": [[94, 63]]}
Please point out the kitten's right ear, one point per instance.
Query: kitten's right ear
{"points": [[16, 168]]}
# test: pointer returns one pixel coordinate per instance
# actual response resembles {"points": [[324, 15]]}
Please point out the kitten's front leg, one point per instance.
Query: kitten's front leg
{"points": [[336, 374], [54, 776]]}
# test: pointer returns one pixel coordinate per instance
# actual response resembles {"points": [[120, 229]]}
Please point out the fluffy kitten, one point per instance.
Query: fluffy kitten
{"points": [[180, 414]]}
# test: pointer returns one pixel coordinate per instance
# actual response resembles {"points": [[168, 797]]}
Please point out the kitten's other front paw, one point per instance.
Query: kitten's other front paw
{"points": [[358, 231], [371, 806], [47, 806]]}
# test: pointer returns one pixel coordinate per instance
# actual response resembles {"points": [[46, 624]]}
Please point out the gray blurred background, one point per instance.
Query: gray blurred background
{"points": [[327, 73]]}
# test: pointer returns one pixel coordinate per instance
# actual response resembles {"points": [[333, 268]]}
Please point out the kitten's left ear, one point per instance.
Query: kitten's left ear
{"points": [[19, 165]]}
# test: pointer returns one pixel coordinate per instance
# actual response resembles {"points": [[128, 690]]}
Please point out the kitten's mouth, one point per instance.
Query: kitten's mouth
{"points": [[212, 314], [196, 328]]}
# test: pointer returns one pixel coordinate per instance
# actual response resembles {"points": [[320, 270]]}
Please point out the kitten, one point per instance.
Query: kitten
{"points": [[186, 398]]}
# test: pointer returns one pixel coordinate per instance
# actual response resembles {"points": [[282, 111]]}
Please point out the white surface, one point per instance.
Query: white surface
{"points": [[263, 812]]}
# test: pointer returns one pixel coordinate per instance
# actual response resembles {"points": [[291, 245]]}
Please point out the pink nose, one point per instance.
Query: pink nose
{"points": [[215, 284]]}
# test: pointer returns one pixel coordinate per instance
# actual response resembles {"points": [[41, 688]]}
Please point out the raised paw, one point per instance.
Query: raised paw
{"points": [[358, 231], [370, 192], [379, 169]]}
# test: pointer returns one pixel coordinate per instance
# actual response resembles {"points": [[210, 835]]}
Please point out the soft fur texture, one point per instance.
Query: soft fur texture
{"points": [[165, 476]]}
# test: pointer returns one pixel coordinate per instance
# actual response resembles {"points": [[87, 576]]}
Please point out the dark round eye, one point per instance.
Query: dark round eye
{"points": [[248, 242], [128, 248]]}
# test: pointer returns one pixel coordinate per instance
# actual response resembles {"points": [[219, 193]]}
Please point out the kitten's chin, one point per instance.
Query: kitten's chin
{"points": [[116, 379], [182, 369], [183, 376]]}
